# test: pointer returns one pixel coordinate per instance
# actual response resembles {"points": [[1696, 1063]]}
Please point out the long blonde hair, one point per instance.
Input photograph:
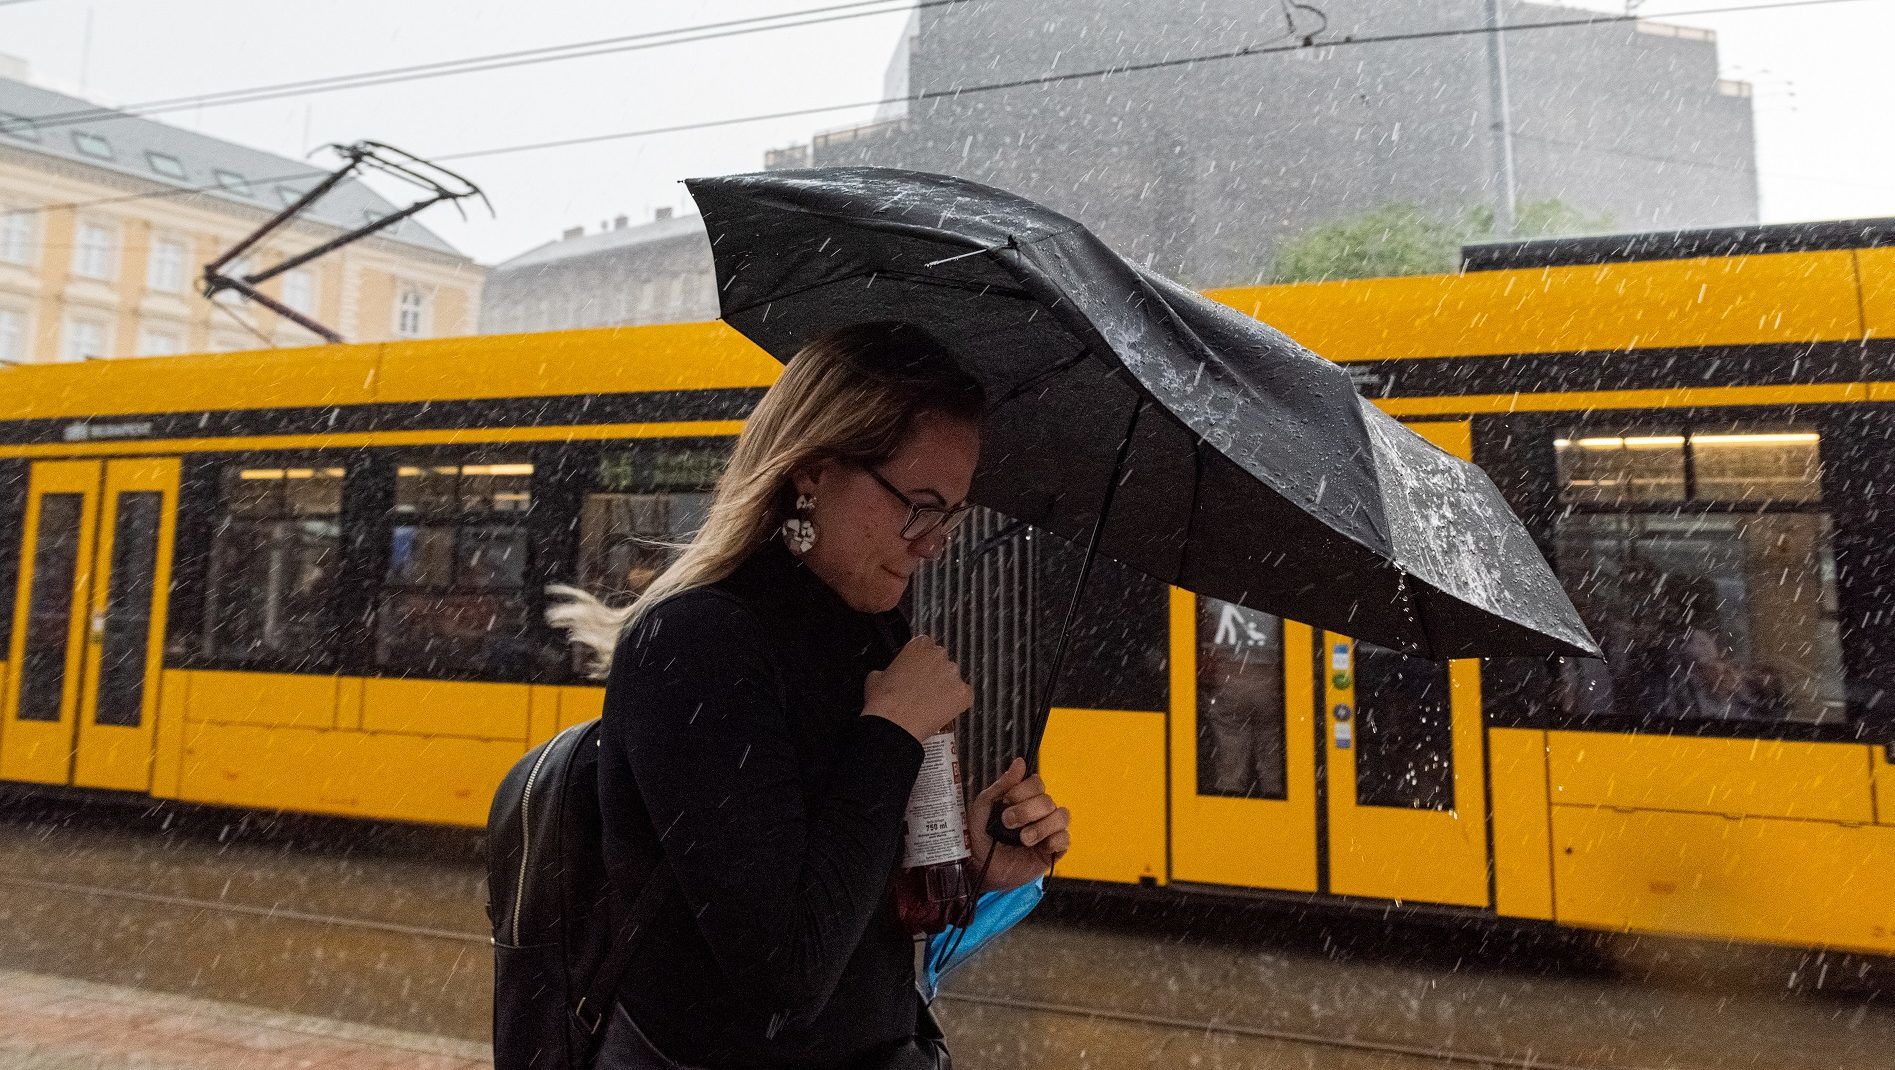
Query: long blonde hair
{"points": [[851, 394]]}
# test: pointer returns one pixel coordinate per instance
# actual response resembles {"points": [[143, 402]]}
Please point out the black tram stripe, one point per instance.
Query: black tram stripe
{"points": [[1798, 364], [1718, 242], [474, 414]]}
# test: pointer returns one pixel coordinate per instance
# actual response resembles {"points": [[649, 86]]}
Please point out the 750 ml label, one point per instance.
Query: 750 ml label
{"points": [[935, 828]]}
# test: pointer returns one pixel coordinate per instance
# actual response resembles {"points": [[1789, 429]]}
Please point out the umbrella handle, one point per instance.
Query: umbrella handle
{"points": [[999, 832]]}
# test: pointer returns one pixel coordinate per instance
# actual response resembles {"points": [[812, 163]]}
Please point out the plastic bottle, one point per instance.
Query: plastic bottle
{"points": [[935, 886]]}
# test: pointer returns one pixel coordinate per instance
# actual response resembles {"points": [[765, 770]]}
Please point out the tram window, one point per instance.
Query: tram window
{"points": [[42, 665], [1612, 469], [453, 601], [1241, 724], [645, 500], [128, 604], [1404, 748], [1765, 467], [275, 557], [1720, 606], [12, 510]]}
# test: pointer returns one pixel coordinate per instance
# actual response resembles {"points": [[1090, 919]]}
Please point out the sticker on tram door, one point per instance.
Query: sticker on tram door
{"points": [[1345, 730], [1339, 656]]}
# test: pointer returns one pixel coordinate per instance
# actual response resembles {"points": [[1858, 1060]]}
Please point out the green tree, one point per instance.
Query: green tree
{"points": [[1402, 238]]}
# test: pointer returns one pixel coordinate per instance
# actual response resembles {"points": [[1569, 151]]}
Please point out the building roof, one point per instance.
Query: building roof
{"points": [[605, 241], [171, 156]]}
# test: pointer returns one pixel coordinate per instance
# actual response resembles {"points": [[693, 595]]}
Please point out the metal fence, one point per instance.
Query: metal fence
{"points": [[977, 599]]}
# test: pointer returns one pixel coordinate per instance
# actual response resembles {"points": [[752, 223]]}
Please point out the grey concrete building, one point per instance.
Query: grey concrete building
{"points": [[622, 273], [1201, 170]]}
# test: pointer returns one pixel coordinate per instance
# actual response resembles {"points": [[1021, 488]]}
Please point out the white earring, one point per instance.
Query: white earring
{"points": [[799, 531]]}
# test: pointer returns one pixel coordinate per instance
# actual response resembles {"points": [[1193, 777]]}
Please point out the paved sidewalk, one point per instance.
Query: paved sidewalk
{"points": [[52, 1023]]}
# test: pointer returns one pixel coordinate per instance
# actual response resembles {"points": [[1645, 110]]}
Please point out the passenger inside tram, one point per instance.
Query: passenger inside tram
{"points": [[1240, 702], [1704, 563]]}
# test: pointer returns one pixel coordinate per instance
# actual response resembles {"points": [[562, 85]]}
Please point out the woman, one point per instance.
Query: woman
{"points": [[763, 719]]}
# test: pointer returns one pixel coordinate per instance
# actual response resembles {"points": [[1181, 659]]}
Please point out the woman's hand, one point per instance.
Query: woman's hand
{"points": [[1027, 807], [921, 690]]}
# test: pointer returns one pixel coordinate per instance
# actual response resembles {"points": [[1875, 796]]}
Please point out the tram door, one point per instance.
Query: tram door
{"points": [[88, 623], [1243, 748], [1407, 799], [1266, 711]]}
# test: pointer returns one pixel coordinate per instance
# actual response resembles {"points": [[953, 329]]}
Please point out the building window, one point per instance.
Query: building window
{"points": [[13, 335], [299, 290], [1702, 560], [411, 312], [166, 270], [17, 233], [165, 164], [274, 563], [453, 601], [92, 145], [85, 339], [95, 250], [18, 126], [232, 182], [155, 342]]}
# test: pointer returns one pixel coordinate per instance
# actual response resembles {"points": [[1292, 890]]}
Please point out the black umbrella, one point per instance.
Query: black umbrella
{"points": [[1127, 412]]}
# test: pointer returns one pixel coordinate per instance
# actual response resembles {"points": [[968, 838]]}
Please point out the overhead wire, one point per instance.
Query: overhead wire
{"points": [[1291, 7], [245, 324], [601, 46], [1267, 48], [957, 92]]}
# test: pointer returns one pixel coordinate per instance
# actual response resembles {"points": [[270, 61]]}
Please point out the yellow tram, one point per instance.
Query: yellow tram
{"points": [[313, 580]]}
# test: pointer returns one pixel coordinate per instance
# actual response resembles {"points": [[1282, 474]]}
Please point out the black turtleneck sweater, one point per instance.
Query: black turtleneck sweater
{"points": [[736, 752]]}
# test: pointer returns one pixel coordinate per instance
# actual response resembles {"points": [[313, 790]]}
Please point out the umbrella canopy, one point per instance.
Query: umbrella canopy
{"points": [[1213, 452]]}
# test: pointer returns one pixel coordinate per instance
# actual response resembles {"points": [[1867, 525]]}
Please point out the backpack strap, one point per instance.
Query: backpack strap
{"points": [[595, 1005]]}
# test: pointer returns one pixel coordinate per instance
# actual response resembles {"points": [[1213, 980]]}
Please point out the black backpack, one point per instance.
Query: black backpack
{"points": [[558, 956]]}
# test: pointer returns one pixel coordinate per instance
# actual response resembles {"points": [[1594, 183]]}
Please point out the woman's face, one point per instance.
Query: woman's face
{"points": [[859, 550]]}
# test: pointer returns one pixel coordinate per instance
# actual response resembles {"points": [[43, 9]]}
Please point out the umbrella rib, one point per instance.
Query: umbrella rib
{"points": [[1191, 514], [1043, 709], [1044, 375]]}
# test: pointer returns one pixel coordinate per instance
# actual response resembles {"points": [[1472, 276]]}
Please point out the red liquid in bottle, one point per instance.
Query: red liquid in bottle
{"points": [[935, 886]]}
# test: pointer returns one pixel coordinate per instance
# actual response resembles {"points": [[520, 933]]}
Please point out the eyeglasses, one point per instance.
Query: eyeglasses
{"points": [[923, 519]]}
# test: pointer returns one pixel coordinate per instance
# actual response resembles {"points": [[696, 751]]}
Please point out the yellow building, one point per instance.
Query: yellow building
{"points": [[107, 221]]}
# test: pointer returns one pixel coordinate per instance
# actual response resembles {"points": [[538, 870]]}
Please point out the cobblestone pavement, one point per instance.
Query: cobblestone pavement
{"points": [[59, 1024]]}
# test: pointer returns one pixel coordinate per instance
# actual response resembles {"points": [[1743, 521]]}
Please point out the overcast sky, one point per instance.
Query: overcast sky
{"points": [[1823, 97]]}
